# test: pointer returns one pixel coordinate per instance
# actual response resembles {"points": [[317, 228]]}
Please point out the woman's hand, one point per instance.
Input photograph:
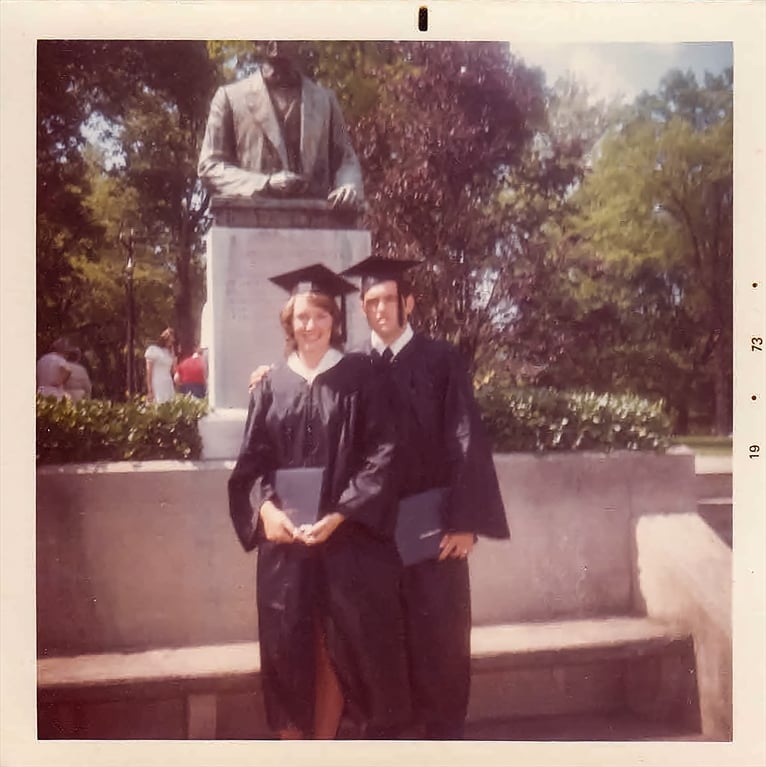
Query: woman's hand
{"points": [[321, 530], [277, 525]]}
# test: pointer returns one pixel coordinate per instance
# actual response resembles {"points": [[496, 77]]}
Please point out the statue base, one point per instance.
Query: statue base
{"points": [[249, 242], [272, 213], [221, 432]]}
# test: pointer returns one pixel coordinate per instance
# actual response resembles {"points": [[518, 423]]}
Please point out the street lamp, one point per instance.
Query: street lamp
{"points": [[128, 243]]}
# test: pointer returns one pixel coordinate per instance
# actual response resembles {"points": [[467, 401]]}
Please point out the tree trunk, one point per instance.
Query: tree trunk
{"points": [[183, 308], [681, 405], [682, 417]]}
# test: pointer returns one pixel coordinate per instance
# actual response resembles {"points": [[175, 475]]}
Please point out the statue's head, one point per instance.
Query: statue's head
{"points": [[281, 57], [282, 49]]}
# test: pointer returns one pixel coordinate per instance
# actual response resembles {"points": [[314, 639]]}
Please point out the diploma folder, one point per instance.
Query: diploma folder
{"points": [[299, 491], [420, 525]]}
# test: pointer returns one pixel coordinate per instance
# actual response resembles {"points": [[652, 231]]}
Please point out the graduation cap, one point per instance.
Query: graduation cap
{"points": [[317, 278], [376, 269]]}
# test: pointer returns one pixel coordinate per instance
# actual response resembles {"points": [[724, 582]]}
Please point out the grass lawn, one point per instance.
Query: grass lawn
{"points": [[705, 445]]}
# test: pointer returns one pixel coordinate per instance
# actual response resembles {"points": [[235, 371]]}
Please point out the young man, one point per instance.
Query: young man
{"points": [[441, 443]]}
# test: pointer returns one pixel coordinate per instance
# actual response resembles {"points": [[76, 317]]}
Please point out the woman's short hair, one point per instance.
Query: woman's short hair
{"points": [[321, 301], [165, 336], [61, 345]]}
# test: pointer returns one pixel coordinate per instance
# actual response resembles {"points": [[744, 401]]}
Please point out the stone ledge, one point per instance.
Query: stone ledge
{"points": [[133, 467], [685, 574], [571, 555], [546, 669], [581, 641], [506, 645]]}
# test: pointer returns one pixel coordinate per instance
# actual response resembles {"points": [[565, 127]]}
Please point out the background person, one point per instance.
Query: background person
{"points": [[191, 375], [160, 367], [78, 385], [441, 443], [53, 370], [329, 614]]}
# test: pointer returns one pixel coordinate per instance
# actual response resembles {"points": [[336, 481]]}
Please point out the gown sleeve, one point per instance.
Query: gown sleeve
{"points": [[368, 498], [475, 503], [252, 476]]}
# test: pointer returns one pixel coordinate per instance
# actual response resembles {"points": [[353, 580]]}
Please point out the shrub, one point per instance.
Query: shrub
{"points": [[527, 419], [100, 430]]}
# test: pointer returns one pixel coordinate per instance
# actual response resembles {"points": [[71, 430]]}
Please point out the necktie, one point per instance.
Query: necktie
{"points": [[387, 355]]}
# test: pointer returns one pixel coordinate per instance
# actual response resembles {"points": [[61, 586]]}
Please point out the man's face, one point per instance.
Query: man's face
{"points": [[381, 307]]}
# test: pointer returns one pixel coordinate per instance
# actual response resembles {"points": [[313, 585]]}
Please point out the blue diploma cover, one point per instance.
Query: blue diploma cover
{"points": [[420, 525], [299, 491]]}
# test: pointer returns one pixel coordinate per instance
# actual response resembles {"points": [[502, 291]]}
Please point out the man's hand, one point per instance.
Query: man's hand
{"points": [[321, 530], [285, 183], [257, 375], [456, 545], [344, 196], [277, 525]]}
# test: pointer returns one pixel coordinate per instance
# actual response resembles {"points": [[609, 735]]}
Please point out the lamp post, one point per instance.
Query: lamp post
{"points": [[128, 243]]}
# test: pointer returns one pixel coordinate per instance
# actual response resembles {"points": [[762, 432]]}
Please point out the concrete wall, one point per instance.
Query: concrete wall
{"points": [[138, 555], [685, 578]]}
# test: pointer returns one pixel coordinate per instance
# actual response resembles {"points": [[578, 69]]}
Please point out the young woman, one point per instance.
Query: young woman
{"points": [[330, 625], [160, 367]]}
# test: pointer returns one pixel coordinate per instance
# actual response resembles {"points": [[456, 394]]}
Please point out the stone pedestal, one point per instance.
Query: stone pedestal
{"points": [[249, 242]]}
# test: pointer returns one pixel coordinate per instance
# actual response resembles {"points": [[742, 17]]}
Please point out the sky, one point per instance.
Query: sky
{"points": [[626, 69]]}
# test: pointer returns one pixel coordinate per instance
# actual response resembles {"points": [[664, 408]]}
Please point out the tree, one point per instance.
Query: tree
{"points": [[536, 200], [643, 297], [149, 112], [450, 122], [101, 314], [160, 128], [65, 227]]}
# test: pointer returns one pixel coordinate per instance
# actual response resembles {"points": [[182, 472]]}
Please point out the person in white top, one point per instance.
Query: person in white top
{"points": [[53, 371], [160, 367]]}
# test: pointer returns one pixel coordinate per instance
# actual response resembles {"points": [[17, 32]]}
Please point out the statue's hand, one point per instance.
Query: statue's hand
{"points": [[344, 196], [285, 183]]}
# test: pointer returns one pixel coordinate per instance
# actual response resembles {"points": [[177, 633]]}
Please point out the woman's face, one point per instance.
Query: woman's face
{"points": [[312, 326]]}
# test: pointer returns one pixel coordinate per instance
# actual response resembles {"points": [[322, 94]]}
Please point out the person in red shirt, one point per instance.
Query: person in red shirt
{"points": [[191, 375]]}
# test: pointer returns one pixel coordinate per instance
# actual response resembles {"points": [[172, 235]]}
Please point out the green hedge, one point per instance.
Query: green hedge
{"points": [[527, 419], [518, 420], [100, 430]]}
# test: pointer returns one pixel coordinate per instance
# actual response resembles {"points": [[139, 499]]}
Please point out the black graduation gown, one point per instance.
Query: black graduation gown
{"points": [[441, 442], [350, 583]]}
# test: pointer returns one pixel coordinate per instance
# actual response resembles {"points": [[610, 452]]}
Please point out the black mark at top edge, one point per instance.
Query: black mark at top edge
{"points": [[423, 18]]}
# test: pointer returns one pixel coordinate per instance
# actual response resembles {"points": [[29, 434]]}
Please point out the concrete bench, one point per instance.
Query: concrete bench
{"points": [[518, 669]]}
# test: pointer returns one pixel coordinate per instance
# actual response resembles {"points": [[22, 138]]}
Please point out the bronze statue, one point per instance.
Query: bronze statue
{"points": [[278, 134]]}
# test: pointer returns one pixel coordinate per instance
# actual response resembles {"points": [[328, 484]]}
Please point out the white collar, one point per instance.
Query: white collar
{"points": [[331, 358], [396, 346]]}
